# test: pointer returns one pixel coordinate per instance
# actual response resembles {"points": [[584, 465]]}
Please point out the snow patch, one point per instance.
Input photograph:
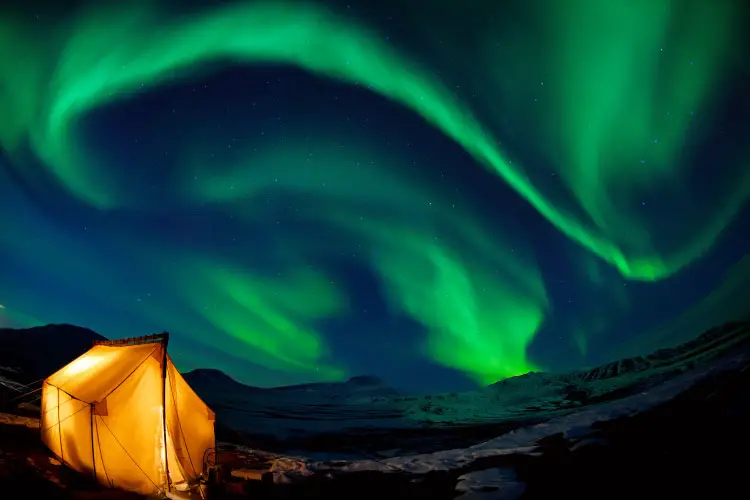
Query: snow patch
{"points": [[490, 484]]}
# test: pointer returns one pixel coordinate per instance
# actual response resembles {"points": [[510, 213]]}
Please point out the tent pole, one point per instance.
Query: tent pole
{"points": [[93, 453], [164, 343], [59, 427], [44, 411]]}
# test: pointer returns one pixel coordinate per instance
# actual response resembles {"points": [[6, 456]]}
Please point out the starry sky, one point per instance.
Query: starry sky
{"points": [[442, 194]]}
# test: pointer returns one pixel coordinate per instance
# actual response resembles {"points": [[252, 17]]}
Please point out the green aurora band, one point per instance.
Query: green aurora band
{"points": [[480, 302], [614, 124]]}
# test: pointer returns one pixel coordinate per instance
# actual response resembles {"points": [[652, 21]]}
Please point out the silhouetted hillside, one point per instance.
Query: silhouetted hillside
{"points": [[38, 352], [206, 380]]}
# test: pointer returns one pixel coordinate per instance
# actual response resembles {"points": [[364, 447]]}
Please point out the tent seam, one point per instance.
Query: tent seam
{"points": [[101, 455]]}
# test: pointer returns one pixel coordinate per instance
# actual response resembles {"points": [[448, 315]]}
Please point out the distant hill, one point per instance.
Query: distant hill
{"points": [[216, 387], [206, 380], [362, 385], [710, 344], [35, 353]]}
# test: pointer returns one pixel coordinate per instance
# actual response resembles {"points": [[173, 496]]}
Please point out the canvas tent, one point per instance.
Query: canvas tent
{"points": [[123, 413]]}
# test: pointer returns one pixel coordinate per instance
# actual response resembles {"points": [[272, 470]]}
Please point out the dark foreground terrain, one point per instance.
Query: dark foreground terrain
{"points": [[679, 433], [693, 446]]}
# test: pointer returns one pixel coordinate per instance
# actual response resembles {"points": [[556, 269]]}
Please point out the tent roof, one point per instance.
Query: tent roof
{"points": [[100, 370]]}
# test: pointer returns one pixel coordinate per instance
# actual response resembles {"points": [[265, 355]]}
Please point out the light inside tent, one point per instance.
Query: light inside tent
{"points": [[82, 364]]}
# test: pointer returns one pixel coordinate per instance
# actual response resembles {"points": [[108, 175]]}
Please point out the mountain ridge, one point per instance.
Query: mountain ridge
{"points": [[62, 343], [712, 341], [18, 351]]}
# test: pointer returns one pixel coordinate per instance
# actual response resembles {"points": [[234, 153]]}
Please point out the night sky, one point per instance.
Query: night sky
{"points": [[442, 193]]}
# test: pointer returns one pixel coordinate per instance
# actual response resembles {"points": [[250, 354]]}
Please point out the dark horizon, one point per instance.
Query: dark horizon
{"points": [[689, 343]]}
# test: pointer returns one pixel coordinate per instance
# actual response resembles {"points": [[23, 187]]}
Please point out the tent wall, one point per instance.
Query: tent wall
{"points": [[93, 375], [75, 428], [129, 432], [49, 420], [66, 428], [191, 427]]}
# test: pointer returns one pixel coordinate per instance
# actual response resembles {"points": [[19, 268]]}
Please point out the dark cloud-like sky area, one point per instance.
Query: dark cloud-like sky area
{"points": [[442, 194]]}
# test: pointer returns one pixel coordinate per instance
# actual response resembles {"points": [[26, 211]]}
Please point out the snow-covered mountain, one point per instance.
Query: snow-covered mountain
{"points": [[364, 417]]}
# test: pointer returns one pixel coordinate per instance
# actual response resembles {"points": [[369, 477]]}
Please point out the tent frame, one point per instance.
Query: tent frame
{"points": [[164, 343], [146, 339], [160, 338]]}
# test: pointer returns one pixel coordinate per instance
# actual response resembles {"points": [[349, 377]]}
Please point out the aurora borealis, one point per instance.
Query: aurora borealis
{"points": [[440, 196]]}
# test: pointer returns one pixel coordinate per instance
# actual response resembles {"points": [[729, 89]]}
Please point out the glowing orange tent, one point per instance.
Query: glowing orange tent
{"points": [[113, 411]]}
